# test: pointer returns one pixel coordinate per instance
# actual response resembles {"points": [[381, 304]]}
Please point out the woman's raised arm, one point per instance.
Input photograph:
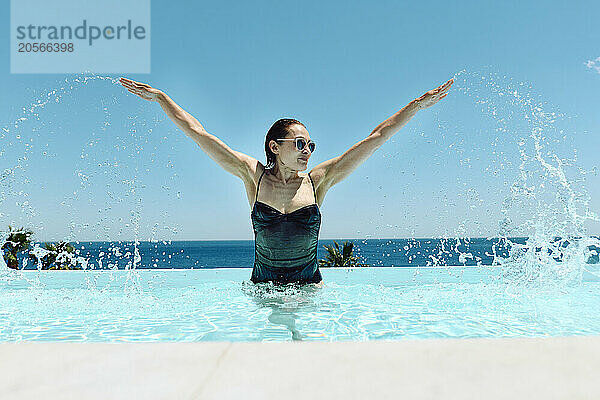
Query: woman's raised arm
{"points": [[235, 162], [332, 171]]}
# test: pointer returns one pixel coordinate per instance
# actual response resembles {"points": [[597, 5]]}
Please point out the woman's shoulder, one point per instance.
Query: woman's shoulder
{"points": [[316, 175], [259, 171]]}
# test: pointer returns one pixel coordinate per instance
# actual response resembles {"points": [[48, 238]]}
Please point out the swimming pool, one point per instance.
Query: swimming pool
{"points": [[354, 305]]}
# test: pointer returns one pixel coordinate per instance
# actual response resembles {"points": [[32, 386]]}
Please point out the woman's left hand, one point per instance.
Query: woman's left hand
{"points": [[433, 96]]}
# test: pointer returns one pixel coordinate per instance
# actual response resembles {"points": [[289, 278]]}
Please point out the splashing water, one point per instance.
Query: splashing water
{"points": [[544, 198], [546, 201], [111, 173]]}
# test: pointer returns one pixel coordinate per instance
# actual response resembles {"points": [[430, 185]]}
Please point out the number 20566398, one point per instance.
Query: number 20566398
{"points": [[45, 47]]}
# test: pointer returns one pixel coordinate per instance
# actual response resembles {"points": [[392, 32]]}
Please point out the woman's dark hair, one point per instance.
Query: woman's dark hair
{"points": [[279, 130]]}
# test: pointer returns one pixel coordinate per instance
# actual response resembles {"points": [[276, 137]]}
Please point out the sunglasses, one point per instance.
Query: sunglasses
{"points": [[301, 143]]}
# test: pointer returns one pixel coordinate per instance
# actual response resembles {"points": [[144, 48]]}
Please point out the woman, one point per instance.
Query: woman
{"points": [[285, 203]]}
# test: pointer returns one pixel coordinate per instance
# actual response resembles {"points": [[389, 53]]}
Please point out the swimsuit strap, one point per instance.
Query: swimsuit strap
{"points": [[258, 184], [313, 186]]}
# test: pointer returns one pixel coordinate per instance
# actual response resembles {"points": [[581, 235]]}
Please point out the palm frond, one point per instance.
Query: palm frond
{"points": [[338, 258]]}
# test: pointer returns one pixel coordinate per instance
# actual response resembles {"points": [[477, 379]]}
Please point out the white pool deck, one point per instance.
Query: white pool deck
{"points": [[511, 368]]}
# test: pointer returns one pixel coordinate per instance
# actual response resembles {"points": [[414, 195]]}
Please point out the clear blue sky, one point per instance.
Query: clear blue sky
{"points": [[341, 68]]}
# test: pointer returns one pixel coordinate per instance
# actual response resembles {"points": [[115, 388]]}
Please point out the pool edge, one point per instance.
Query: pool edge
{"points": [[553, 367]]}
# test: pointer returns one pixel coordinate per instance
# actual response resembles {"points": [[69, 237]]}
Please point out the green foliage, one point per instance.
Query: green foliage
{"points": [[17, 241], [340, 258], [59, 256]]}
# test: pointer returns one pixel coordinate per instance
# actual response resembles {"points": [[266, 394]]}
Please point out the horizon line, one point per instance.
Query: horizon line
{"points": [[252, 240]]}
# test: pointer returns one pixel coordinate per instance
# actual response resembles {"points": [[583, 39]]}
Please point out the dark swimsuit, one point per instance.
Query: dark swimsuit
{"points": [[285, 245]]}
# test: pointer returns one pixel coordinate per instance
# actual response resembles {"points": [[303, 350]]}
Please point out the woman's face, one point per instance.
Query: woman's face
{"points": [[287, 152]]}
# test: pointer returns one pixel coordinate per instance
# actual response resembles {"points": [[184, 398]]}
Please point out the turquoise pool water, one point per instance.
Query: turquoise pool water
{"points": [[354, 304]]}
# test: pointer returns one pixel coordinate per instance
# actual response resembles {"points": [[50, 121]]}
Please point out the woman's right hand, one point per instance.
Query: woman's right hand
{"points": [[146, 92]]}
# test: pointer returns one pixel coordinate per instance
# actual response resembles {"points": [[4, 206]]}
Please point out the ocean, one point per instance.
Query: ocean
{"points": [[240, 253]]}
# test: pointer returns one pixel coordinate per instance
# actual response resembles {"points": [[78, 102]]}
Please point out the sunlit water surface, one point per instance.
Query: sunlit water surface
{"points": [[515, 165], [222, 305]]}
